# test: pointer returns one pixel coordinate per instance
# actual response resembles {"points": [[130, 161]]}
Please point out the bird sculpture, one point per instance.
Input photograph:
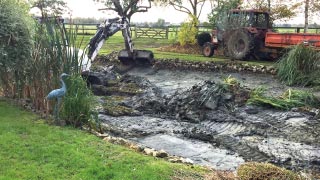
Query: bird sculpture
{"points": [[58, 94]]}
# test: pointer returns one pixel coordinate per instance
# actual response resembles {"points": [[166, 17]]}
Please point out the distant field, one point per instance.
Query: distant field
{"points": [[116, 43], [294, 30]]}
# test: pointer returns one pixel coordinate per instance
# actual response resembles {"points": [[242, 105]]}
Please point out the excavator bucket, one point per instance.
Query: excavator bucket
{"points": [[138, 57]]}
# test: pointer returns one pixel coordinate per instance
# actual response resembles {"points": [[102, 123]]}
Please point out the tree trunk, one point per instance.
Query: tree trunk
{"points": [[194, 7], [306, 16]]}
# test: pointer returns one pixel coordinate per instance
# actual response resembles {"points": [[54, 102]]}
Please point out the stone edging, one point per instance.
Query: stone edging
{"points": [[142, 149]]}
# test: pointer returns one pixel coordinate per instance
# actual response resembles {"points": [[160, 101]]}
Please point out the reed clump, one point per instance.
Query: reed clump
{"points": [[288, 100], [300, 66]]}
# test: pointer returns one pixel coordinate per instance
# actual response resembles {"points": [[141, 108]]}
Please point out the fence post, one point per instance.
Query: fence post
{"points": [[167, 32], [135, 32]]}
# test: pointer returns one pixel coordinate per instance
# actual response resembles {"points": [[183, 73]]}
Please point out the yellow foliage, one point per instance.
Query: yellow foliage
{"points": [[188, 31]]}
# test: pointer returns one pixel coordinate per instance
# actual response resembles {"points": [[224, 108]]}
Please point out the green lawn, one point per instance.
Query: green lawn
{"points": [[31, 149], [116, 43]]}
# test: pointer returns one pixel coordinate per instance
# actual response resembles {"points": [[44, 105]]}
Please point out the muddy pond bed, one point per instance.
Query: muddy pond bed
{"points": [[189, 114]]}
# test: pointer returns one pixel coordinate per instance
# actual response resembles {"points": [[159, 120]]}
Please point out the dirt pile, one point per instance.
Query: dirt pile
{"points": [[193, 105]]}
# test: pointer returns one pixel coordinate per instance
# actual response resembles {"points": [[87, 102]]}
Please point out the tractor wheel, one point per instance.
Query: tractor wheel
{"points": [[240, 45], [208, 49]]}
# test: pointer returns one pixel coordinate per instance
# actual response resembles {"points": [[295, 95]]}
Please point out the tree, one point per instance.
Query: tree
{"points": [[279, 9], [54, 7], [222, 7], [183, 6], [125, 8], [311, 8], [306, 16], [160, 23]]}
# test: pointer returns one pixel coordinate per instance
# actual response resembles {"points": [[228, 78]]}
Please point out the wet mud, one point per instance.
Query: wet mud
{"points": [[186, 113]]}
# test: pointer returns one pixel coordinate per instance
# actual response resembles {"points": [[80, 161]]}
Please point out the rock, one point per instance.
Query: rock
{"points": [[190, 115], [227, 96], [160, 154], [251, 110], [108, 139], [211, 104], [136, 147], [175, 159], [149, 151]]}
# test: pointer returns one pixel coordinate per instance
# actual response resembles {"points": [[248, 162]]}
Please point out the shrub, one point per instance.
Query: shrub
{"points": [[15, 45], [203, 38], [188, 32], [79, 104], [299, 66], [262, 171]]}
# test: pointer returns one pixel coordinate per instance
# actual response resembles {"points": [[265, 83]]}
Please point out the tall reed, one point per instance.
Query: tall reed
{"points": [[300, 66], [54, 52]]}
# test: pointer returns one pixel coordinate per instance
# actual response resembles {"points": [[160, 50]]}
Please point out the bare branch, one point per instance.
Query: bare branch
{"points": [[131, 5], [108, 9], [200, 9], [118, 7], [180, 8], [192, 4]]}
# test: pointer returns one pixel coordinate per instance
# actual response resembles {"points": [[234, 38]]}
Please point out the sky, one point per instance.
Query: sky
{"points": [[89, 8]]}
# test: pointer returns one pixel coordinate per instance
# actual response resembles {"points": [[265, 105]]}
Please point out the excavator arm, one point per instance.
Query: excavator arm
{"points": [[128, 55]]}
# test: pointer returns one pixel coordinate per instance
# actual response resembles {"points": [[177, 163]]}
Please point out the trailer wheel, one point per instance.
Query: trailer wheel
{"points": [[207, 49], [240, 45]]}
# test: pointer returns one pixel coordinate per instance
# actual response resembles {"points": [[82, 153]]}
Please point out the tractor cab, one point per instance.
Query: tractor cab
{"points": [[248, 19]]}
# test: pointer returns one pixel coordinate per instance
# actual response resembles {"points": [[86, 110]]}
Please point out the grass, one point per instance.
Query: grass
{"points": [[289, 99], [262, 171], [31, 149]]}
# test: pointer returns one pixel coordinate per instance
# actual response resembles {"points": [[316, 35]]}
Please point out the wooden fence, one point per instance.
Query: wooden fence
{"points": [[171, 31], [138, 31]]}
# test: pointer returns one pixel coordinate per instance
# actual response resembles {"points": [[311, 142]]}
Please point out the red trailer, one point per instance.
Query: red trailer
{"points": [[281, 40]]}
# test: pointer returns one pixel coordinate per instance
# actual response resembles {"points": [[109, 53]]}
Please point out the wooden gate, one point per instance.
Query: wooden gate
{"points": [[154, 33]]}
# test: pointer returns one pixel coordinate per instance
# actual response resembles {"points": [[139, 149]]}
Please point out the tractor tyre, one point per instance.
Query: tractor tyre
{"points": [[207, 49], [240, 45]]}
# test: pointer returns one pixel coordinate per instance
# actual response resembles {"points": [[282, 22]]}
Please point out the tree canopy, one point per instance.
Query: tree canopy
{"points": [[125, 8], [53, 7], [222, 6], [191, 7], [279, 10]]}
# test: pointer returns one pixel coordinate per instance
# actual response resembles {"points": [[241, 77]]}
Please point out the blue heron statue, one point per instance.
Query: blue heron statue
{"points": [[58, 94]]}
